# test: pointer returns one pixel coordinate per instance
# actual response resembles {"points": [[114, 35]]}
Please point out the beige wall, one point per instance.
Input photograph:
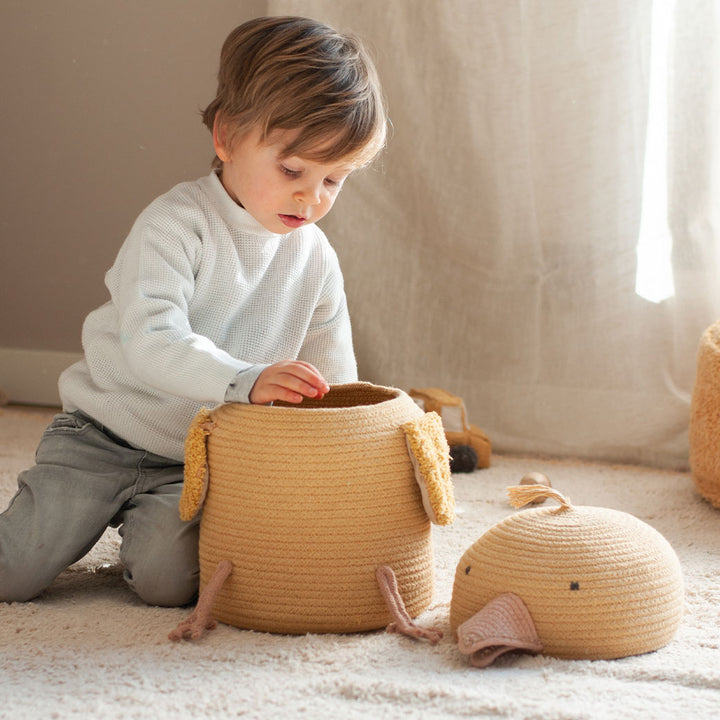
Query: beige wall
{"points": [[99, 115]]}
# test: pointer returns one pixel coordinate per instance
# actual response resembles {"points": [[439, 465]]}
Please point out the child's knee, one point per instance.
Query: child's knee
{"points": [[163, 587], [163, 574], [160, 551]]}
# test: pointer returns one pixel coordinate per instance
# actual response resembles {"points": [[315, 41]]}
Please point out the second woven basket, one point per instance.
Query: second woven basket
{"points": [[705, 417]]}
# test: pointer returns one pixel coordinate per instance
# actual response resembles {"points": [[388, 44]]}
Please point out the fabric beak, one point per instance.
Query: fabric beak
{"points": [[503, 625]]}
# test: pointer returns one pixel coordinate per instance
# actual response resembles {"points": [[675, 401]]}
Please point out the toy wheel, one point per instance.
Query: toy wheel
{"points": [[463, 459]]}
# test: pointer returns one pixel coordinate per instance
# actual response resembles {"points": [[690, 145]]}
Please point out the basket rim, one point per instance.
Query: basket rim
{"points": [[385, 396]]}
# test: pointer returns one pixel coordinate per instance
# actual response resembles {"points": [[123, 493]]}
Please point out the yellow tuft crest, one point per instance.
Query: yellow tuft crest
{"points": [[520, 495]]}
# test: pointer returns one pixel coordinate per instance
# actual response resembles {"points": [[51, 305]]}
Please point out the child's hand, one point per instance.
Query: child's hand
{"points": [[288, 380]]}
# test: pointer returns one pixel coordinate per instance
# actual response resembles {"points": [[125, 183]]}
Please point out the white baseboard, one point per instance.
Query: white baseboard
{"points": [[30, 376]]}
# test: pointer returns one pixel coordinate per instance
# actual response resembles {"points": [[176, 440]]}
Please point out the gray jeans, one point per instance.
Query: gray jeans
{"points": [[85, 479]]}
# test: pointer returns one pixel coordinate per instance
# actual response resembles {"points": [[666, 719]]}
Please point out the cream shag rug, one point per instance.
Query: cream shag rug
{"points": [[88, 648]]}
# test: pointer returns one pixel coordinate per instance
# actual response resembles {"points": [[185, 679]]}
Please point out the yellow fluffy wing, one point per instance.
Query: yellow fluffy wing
{"points": [[430, 457]]}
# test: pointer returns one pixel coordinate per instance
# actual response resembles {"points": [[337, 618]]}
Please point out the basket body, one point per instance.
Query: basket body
{"points": [[705, 418], [307, 501]]}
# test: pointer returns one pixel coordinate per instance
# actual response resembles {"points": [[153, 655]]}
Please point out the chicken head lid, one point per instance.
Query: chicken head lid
{"points": [[598, 583]]}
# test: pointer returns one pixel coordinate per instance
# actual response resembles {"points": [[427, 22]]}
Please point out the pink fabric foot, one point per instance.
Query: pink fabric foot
{"points": [[194, 627], [403, 623]]}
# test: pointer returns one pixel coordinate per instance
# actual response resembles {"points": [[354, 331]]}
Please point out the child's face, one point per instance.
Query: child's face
{"points": [[280, 193]]}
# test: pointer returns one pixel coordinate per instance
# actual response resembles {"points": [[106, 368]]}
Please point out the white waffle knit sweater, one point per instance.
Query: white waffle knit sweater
{"points": [[202, 299]]}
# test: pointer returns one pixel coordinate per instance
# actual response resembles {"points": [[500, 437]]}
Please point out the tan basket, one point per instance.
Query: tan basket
{"points": [[705, 418], [307, 501], [598, 583]]}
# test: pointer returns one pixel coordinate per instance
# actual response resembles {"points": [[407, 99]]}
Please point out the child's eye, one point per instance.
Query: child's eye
{"points": [[290, 173]]}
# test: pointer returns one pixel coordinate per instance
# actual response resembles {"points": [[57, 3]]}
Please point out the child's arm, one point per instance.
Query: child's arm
{"points": [[288, 380], [152, 285]]}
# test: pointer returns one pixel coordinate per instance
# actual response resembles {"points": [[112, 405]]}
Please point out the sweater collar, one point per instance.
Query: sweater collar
{"points": [[235, 216]]}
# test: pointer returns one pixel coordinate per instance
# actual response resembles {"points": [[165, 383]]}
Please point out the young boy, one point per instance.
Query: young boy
{"points": [[224, 291]]}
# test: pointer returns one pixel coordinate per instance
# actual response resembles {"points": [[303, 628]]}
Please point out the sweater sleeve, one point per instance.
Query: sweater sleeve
{"points": [[152, 284], [239, 389]]}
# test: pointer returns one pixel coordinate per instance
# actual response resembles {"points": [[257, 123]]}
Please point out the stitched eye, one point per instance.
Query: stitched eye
{"points": [[467, 569], [574, 585]]}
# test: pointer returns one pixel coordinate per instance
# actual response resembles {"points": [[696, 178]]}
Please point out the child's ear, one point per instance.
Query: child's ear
{"points": [[221, 139]]}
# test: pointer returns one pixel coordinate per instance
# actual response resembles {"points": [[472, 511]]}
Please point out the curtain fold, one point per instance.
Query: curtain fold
{"points": [[492, 251]]}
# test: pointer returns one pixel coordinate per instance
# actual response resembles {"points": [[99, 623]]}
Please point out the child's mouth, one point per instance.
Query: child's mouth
{"points": [[292, 221]]}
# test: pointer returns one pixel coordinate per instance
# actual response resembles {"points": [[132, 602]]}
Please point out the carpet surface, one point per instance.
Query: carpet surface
{"points": [[88, 648]]}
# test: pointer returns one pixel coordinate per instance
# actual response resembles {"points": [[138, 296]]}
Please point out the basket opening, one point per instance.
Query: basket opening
{"points": [[348, 395]]}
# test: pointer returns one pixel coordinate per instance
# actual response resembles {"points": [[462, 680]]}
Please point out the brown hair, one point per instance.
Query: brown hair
{"points": [[289, 73]]}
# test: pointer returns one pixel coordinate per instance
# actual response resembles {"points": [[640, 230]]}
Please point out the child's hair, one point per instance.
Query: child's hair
{"points": [[293, 73]]}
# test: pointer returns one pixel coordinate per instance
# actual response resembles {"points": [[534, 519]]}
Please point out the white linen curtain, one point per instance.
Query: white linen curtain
{"points": [[493, 250]]}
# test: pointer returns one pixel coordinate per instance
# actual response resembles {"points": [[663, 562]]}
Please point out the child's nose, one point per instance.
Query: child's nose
{"points": [[308, 195]]}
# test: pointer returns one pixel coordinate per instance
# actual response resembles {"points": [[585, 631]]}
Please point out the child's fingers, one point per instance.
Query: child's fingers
{"points": [[289, 381], [303, 381], [310, 375]]}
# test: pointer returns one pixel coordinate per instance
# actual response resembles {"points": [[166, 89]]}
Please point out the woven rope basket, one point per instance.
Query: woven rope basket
{"points": [[307, 501], [705, 418], [598, 583]]}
